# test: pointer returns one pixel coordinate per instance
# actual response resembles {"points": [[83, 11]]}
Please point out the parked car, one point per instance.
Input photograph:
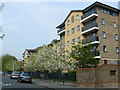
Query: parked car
{"points": [[15, 75], [24, 77]]}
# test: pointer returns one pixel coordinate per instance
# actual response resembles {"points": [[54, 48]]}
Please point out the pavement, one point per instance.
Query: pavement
{"points": [[50, 84]]}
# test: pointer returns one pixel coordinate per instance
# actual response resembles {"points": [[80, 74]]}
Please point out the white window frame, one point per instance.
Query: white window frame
{"points": [[78, 39], [73, 41], [103, 21], [78, 27], [114, 24], [116, 37], [67, 32], [68, 22], [104, 48], [104, 34], [73, 30], [117, 50], [77, 17]]}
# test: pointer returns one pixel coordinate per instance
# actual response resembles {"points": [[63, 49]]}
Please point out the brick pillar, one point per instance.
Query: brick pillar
{"points": [[86, 78]]}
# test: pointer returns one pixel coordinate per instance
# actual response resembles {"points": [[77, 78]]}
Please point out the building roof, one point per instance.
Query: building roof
{"points": [[101, 5], [30, 50], [88, 8]]}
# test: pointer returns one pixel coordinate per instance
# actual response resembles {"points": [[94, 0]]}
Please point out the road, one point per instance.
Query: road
{"points": [[12, 83]]}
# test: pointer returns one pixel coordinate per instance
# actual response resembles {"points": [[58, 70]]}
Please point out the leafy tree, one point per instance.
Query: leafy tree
{"points": [[7, 61], [84, 56], [12, 65]]}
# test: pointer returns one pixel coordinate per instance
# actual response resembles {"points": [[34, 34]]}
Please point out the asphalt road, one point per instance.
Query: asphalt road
{"points": [[12, 84], [8, 83]]}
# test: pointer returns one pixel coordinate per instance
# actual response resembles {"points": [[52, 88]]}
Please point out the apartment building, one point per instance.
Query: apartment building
{"points": [[97, 24]]}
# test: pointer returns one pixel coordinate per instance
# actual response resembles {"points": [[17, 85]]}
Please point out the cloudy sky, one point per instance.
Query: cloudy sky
{"points": [[28, 25]]}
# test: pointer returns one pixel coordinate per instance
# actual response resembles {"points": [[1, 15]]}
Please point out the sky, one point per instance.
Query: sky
{"points": [[28, 25]]}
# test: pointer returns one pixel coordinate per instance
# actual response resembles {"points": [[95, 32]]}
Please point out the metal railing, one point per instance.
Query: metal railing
{"points": [[96, 53], [91, 25], [90, 40], [88, 13], [60, 29]]}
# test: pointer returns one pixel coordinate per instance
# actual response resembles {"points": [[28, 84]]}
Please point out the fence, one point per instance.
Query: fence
{"points": [[57, 76]]}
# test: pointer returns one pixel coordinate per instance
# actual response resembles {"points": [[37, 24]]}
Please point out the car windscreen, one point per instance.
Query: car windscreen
{"points": [[26, 75], [15, 73]]}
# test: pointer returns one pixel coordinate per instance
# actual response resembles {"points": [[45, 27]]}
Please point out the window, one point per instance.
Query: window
{"points": [[73, 41], [101, 10], [114, 25], [108, 12], [117, 50], [78, 39], [73, 30], [105, 11], [68, 22], [114, 14], [78, 28], [102, 21], [103, 34], [67, 33], [72, 19], [116, 37], [112, 72], [61, 37], [105, 61], [104, 48], [77, 17], [67, 43]]}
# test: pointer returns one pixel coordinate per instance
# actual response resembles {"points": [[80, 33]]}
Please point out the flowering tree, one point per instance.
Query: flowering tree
{"points": [[49, 57]]}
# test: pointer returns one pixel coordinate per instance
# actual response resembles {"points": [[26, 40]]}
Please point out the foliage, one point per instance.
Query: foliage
{"points": [[49, 57], [8, 61], [84, 56], [12, 65]]}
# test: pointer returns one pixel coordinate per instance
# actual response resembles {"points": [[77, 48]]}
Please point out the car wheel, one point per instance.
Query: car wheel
{"points": [[20, 81], [10, 77], [30, 81]]}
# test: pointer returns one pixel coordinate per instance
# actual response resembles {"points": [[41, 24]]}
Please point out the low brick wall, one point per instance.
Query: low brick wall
{"points": [[105, 75]]}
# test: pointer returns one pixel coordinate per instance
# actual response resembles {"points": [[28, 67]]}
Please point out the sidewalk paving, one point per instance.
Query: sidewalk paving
{"points": [[52, 85], [57, 85]]}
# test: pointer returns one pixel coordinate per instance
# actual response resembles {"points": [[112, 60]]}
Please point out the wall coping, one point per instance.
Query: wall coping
{"points": [[99, 66]]}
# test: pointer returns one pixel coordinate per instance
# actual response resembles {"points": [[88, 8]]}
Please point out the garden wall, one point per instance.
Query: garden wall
{"points": [[105, 75]]}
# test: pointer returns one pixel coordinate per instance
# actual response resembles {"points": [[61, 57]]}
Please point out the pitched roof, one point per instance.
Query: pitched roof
{"points": [[30, 50]]}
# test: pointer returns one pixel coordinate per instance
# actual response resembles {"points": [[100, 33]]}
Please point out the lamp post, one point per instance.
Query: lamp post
{"points": [[1, 34]]}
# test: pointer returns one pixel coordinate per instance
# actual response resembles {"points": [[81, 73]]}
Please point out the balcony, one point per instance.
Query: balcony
{"points": [[96, 53], [93, 40], [61, 30], [90, 28], [89, 16]]}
